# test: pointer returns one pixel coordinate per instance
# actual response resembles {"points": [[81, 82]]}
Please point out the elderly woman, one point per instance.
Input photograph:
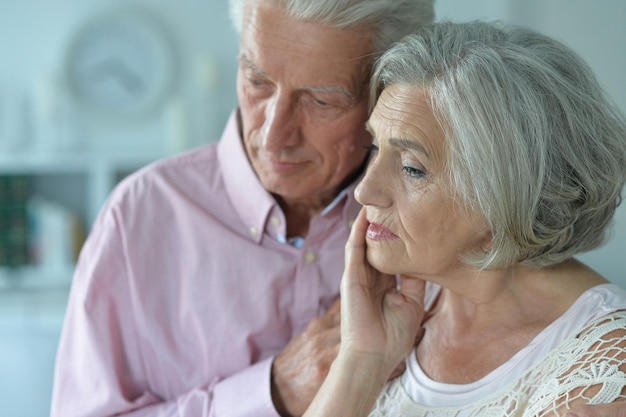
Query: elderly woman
{"points": [[496, 160]]}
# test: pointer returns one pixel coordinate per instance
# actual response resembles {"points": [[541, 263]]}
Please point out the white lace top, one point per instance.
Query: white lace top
{"points": [[576, 358]]}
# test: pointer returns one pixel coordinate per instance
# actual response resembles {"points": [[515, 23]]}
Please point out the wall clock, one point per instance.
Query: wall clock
{"points": [[120, 65]]}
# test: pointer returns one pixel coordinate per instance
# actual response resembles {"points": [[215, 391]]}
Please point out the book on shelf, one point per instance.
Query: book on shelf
{"points": [[34, 231], [55, 234], [15, 190]]}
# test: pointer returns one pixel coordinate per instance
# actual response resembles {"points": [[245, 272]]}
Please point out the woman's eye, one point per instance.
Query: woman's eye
{"points": [[413, 172]]}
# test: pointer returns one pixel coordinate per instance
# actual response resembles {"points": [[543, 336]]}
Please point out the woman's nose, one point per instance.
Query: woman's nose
{"points": [[373, 190]]}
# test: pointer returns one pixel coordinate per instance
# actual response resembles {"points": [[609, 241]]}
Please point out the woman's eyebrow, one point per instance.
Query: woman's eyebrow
{"points": [[399, 142], [408, 144]]}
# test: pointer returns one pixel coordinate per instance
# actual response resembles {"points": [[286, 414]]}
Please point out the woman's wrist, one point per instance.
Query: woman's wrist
{"points": [[364, 376], [353, 383], [373, 364], [376, 363]]}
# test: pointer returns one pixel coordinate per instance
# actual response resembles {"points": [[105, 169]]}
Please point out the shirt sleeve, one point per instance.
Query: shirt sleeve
{"points": [[246, 393], [100, 369]]}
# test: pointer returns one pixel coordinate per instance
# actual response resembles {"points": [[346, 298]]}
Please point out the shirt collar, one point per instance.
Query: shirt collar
{"points": [[249, 198]]}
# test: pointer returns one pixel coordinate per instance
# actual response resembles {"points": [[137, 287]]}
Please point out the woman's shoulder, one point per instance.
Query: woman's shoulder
{"points": [[601, 300], [589, 367]]}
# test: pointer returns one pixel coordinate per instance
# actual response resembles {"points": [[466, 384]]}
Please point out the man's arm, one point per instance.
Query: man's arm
{"points": [[104, 368]]}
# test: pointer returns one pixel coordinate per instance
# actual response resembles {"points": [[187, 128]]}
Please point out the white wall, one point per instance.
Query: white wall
{"points": [[34, 38], [594, 29]]}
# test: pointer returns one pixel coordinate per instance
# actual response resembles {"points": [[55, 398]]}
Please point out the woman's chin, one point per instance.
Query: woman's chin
{"points": [[381, 263]]}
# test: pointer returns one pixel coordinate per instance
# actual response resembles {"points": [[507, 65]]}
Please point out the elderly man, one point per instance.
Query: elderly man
{"points": [[198, 289]]}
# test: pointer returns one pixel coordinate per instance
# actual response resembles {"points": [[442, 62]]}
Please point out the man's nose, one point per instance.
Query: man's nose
{"points": [[281, 125]]}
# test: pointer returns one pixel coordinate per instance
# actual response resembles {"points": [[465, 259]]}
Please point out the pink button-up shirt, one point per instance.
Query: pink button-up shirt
{"points": [[185, 290]]}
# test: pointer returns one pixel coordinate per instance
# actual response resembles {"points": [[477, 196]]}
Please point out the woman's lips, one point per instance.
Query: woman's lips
{"points": [[376, 231]]}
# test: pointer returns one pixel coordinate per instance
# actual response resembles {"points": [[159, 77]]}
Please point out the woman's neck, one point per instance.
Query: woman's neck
{"points": [[475, 326]]}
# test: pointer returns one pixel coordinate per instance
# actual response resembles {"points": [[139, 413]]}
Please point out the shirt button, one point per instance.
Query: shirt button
{"points": [[309, 257], [254, 231], [275, 221]]}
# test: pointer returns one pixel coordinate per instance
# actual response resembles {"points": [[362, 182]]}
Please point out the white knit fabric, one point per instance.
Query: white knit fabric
{"points": [[587, 366]]}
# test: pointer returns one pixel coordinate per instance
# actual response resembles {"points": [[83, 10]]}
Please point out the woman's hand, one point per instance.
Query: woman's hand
{"points": [[377, 320], [378, 328]]}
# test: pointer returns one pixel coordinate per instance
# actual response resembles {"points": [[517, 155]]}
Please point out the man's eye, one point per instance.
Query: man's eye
{"points": [[255, 82], [323, 101], [322, 104]]}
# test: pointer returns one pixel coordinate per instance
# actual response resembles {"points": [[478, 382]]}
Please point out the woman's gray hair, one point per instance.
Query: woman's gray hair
{"points": [[389, 20], [535, 145]]}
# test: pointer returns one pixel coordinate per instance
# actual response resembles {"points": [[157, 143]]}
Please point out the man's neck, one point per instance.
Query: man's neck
{"points": [[298, 216]]}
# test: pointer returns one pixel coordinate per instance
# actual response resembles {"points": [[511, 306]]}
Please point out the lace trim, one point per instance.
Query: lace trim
{"points": [[589, 368]]}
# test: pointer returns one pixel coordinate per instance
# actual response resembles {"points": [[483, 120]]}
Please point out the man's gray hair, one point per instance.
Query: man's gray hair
{"points": [[535, 145], [389, 20]]}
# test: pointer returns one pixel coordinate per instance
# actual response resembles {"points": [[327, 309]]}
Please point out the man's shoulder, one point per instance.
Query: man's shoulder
{"points": [[198, 159], [183, 174]]}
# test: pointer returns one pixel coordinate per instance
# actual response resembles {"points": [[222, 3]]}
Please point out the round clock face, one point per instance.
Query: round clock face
{"points": [[120, 65]]}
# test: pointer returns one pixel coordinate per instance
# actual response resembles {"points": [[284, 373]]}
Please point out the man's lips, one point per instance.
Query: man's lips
{"points": [[376, 231], [285, 168]]}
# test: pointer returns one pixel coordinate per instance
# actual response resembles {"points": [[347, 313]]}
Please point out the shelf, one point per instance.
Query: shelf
{"points": [[72, 185], [81, 181], [45, 164]]}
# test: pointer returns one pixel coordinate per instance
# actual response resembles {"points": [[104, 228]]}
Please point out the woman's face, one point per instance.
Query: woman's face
{"points": [[415, 227]]}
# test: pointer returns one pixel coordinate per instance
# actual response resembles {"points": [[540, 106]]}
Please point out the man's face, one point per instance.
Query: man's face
{"points": [[302, 90]]}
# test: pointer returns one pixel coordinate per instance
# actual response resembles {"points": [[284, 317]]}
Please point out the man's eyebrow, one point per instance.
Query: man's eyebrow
{"points": [[331, 89], [243, 58]]}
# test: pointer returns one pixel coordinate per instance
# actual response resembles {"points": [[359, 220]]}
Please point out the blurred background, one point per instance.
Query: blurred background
{"points": [[93, 90]]}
